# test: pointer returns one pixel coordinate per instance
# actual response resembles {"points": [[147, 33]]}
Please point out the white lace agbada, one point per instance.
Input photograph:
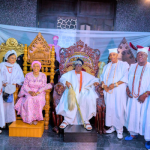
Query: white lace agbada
{"points": [[86, 98], [116, 101]]}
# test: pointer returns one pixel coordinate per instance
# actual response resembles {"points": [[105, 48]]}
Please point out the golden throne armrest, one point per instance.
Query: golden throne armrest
{"points": [[15, 101], [16, 95]]}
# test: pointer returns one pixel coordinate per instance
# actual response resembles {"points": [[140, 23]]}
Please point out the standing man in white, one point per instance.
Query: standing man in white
{"points": [[138, 90], [114, 80]]}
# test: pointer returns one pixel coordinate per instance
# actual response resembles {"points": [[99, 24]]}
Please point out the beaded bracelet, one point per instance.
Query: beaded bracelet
{"points": [[103, 85], [116, 84]]}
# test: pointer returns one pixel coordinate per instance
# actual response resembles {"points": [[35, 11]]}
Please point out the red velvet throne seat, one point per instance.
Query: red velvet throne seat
{"points": [[91, 58]]}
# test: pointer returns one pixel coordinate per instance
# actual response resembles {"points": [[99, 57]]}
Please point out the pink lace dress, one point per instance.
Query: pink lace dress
{"points": [[30, 107]]}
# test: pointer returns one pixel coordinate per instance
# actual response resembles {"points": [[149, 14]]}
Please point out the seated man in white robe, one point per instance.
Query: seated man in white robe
{"points": [[84, 86], [114, 80], [138, 91]]}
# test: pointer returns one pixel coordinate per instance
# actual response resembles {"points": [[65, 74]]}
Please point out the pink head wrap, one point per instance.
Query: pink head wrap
{"points": [[55, 37], [36, 62]]}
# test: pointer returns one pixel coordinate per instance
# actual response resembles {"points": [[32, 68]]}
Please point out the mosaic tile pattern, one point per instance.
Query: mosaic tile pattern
{"points": [[52, 141], [18, 12], [133, 15], [66, 23]]}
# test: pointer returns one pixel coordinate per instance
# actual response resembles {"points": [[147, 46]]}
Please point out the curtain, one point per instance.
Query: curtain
{"points": [[102, 40]]}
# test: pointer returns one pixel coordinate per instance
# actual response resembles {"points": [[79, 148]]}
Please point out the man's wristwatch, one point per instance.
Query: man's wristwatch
{"points": [[116, 84]]}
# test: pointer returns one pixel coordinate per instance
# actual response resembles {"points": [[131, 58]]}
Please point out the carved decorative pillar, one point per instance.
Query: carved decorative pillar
{"points": [[47, 108], [25, 60], [15, 98], [52, 64]]}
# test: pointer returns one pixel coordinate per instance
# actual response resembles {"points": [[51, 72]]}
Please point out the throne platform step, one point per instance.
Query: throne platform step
{"points": [[21, 129], [77, 133]]}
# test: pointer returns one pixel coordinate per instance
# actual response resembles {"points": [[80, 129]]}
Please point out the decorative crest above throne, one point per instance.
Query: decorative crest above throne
{"points": [[10, 44], [39, 50], [79, 50], [125, 53]]}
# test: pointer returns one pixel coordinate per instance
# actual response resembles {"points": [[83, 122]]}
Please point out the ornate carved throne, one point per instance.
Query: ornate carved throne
{"points": [[67, 56], [40, 50]]}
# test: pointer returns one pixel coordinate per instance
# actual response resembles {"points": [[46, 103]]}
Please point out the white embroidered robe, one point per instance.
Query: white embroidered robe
{"points": [[136, 113], [116, 101], [86, 98]]}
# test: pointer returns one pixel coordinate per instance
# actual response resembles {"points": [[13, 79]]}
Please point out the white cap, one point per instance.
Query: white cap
{"points": [[9, 53], [114, 50], [144, 49]]}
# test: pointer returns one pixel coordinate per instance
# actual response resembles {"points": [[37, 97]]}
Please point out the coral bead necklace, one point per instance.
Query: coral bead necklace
{"points": [[133, 93], [10, 71], [0, 91], [113, 76]]}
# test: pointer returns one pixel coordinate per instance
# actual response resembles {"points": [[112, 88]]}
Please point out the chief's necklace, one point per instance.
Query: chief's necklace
{"points": [[133, 93], [10, 71], [113, 76]]}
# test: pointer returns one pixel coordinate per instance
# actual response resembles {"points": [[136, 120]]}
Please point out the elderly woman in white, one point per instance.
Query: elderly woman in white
{"points": [[11, 75], [2, 120]]}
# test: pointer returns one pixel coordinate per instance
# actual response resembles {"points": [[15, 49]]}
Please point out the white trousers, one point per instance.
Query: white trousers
{"points": [[118, 130]]}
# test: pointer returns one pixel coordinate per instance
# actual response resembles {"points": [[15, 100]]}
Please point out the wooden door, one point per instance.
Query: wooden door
{"points": [[76, 14]]}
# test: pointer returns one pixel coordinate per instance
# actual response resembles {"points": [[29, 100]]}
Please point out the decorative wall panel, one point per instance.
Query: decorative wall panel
{"points": [[66, 23]]}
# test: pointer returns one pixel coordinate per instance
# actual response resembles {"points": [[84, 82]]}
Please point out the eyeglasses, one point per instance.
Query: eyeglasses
{"points": [[79, 65]]}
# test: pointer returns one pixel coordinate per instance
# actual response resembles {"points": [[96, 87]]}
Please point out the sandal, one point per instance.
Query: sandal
{"points": [[30, 123], [35, 122], [130, 137], [147, 145], [63, 125], [88, 126]]}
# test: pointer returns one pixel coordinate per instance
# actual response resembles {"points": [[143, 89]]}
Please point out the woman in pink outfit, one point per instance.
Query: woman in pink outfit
{"points": [[57, 47], [32, 95]]}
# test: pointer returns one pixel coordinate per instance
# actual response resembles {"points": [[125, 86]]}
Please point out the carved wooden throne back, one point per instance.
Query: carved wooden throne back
{"points": [[79, 50], [40, 50], [11, 44]]}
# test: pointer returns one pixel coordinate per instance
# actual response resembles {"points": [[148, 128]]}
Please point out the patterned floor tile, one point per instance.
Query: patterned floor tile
{"points": [[52, 141]]}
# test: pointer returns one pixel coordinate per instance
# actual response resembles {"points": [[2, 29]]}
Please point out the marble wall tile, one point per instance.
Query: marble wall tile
{"points": [[133, 15], [18, 12]]}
